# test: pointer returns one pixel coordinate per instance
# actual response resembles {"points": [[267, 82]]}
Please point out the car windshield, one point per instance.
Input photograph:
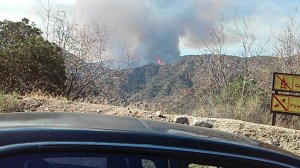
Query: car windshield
{"points": [[226, 65]]}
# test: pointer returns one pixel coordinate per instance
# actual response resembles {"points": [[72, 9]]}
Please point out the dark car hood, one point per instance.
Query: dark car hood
{"points": [[107, 122], [117, 123]]}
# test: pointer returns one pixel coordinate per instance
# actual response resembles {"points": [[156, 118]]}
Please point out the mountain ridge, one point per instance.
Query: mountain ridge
{"points": [[187, 74]]}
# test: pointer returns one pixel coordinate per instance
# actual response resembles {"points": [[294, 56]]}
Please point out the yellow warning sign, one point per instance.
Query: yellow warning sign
{"points": [[286, 82], [284, 103]]}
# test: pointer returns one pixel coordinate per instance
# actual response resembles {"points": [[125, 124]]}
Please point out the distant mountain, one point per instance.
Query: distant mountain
{"points": [[180, 85], [190, 77]]}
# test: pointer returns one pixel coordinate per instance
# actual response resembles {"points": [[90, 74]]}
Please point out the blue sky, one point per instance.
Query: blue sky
{"points": [[196, 16]]}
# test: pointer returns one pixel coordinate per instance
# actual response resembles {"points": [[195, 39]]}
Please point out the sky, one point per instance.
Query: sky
{"points": [[170, 28]]}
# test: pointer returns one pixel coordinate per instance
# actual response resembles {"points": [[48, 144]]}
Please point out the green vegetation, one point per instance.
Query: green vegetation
{"points": [[241, 89], [245, 96], [27, 61], [242, 100], [9, 102]]}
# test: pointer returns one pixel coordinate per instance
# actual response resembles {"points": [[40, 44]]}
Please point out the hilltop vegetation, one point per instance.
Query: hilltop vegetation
{"points": [[27, 61]]}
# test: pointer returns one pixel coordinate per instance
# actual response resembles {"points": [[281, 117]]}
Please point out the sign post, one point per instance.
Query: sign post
{"points": [[273, 118], [284, 103]]}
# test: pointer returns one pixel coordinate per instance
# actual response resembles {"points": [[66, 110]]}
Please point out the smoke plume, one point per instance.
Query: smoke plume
{"points": [[152, 29]]}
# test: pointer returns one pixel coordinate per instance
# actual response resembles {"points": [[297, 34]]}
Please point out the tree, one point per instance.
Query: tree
{"points": [[218, 66], [84, 49], [27, 61], [287, 46]]}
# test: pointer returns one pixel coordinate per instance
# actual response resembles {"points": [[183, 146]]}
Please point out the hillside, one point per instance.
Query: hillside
{"points": [[189, 75], [154, 82], [285, 138]]}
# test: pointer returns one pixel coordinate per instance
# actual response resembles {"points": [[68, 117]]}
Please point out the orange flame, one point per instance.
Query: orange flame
{"points": [[159, 61]]}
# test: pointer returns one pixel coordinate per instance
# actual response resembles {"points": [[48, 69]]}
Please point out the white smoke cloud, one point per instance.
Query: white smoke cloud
{"points": [[155, 28], [152, 28]]}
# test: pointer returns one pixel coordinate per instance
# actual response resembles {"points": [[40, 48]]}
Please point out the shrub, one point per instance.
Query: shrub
{"points": [[27, 61], [9, 102], [242, 89]]}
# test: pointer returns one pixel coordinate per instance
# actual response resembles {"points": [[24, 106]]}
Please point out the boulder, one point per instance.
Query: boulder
{"points": [[158, 114], [203, 124], [208, 123], [181, 120]]}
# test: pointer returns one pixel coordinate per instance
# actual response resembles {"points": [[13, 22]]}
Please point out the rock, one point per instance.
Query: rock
{"points": [[276, 143], [158, 114], [247, 135], [203, 124], [181, 120]]}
